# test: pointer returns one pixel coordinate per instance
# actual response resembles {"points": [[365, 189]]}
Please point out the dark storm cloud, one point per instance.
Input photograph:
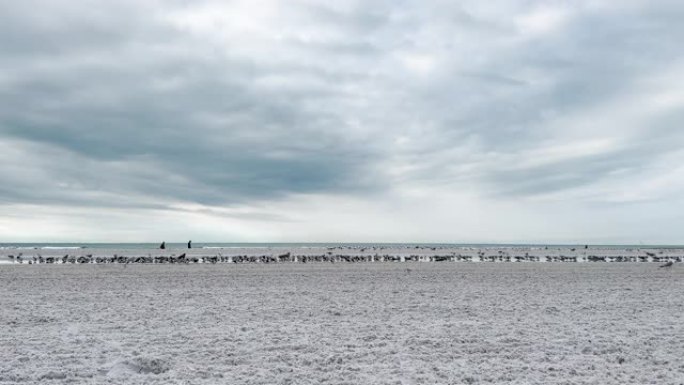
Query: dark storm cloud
{"points": [[224, 139], [139, 109]]}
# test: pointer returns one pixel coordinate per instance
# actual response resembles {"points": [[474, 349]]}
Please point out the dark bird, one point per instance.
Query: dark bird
{"points": [[162, 246], [669, 264], [189, 244]]}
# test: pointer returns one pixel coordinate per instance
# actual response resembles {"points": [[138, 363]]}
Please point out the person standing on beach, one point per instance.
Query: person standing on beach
{"points": [[162, 246], [189, 244]]}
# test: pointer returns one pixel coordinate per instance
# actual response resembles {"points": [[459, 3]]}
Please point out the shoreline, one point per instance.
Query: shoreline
{"points": [[341, 254]]}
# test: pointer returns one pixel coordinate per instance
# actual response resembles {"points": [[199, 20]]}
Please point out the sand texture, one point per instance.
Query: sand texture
{"points": [[342, 323]]}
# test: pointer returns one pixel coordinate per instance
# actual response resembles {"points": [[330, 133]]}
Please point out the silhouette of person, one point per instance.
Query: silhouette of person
{"points": [[162, 246], [189, 244]]}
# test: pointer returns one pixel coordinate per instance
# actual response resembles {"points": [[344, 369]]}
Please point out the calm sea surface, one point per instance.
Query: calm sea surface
{"points": [[171, 245]]}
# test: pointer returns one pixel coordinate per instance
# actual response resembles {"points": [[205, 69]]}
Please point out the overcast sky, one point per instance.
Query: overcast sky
{"points": [[394, 121]]}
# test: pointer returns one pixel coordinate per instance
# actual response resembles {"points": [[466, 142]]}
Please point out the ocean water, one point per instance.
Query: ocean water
{"points": [[222, 245]]}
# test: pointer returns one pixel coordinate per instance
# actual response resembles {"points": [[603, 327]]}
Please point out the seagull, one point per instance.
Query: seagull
{"points": [[669, 264]]}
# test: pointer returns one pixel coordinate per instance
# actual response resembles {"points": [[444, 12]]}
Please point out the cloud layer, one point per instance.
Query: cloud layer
{"points": [[520, 121]]}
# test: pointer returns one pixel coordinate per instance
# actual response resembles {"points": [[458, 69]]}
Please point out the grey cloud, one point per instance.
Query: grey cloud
{"points": [[593, 60], [218, 126], [267, 146], [559, 176]]}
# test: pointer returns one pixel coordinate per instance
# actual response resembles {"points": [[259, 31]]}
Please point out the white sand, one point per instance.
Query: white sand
{"points": [[371, 323]]}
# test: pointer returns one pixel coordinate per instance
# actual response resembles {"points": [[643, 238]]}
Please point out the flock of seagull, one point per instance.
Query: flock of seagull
{"points": [[332, 258]]}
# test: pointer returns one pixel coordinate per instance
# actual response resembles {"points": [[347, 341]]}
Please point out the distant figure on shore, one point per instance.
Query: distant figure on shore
{"points": [[189, 244], [162, 246]]}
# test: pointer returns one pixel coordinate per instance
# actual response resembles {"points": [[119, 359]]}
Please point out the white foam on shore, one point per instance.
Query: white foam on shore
{"points": [[28, 247], [237, 247]]}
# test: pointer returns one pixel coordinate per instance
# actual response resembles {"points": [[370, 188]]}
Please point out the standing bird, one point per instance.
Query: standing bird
{"points": [[669, 264], [189, 244], [162, 246]]}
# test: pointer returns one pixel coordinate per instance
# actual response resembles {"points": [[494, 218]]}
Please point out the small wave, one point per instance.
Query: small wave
{"points": [[40, 247], [237, 247]]}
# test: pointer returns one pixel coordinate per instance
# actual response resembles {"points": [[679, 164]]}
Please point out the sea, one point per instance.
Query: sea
{"points": [[228, 245]]}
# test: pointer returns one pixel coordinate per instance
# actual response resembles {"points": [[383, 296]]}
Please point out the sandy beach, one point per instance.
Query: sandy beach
{"points": [[372, 323]]}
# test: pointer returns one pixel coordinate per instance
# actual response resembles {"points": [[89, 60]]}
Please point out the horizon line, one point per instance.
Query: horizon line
{"points": [[198, 243]]}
